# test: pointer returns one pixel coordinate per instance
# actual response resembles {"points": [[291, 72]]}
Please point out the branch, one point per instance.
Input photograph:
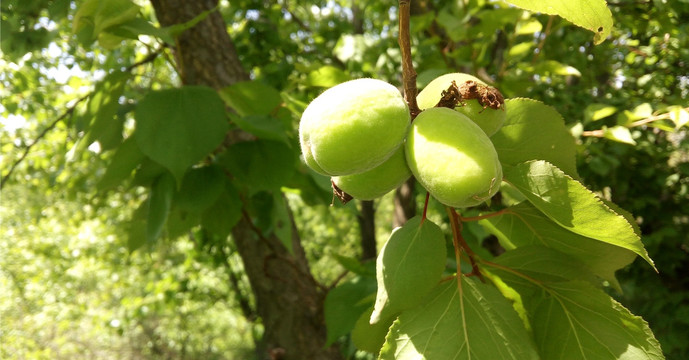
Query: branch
{"points": [[408, 72], [601, 133], [40, 136], [70, 110], [653, 118], [542, 42]]}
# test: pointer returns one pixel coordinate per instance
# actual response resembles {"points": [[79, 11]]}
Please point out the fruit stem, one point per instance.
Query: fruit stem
{"points": [[461, 244], [425, 207], [408, 72]]}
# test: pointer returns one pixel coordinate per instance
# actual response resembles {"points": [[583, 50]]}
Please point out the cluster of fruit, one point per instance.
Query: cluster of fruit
{"points": [[360, 132]]}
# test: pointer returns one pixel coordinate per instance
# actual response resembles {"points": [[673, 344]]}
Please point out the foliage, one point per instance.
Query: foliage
{"points": [[98, 181], [72, 291]]}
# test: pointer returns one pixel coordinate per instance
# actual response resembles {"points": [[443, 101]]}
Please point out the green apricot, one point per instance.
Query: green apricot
{"points": [[378, 181], [490, 120], [452, 158], [353, 127]]}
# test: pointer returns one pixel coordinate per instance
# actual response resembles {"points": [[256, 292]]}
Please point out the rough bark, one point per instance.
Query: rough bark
{"points": [[205, 54], [405, 204], [367, 228], [288, 299]]}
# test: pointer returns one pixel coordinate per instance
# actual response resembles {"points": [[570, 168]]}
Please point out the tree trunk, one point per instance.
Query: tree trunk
{"points": [[288, 299], [367, 228], [405, 203]]}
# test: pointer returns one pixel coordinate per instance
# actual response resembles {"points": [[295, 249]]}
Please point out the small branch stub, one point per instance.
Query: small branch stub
{"points": [[340, 194], [408, 72]]}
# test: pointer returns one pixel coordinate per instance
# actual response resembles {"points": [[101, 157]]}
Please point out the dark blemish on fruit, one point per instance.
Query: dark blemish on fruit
{"points": [[487, 96]]}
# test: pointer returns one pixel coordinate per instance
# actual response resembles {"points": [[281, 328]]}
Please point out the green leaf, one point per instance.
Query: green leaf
{"points": [[159, 206], [528, 27], [127, 157], [260, 165], [573, 320], [595, 112], [474, 323], [95, 16], [135, 27], [147, 172], [568, 203], [535, 131], [552, 67], [345, 304], [521, 49], [592, 15], [180, 222], [327, 76], [679, 115], [178, 127], [546, 264], [523, 225], [251, 98], [224, 214], [102, 107], [408, 266], [177, 29], [200, 188], [263, 126], [355, 266], [619, 133], [370, 337], [136, 230]]}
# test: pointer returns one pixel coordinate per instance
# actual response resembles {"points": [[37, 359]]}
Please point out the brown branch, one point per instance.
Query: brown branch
{"points": [[408, 72], [149, 58]]}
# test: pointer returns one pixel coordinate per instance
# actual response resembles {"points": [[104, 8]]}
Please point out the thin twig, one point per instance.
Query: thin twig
{"points": [[40, 136], [408, 72], [653, 118], [542, 42], [601, 133], [70, 110]]}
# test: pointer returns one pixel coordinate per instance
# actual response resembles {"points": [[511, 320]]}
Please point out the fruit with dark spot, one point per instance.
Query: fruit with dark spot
{"points": [[470, 96]]}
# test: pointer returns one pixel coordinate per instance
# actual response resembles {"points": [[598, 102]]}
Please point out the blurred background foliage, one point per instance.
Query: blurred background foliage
{"points": [[70, 288]]}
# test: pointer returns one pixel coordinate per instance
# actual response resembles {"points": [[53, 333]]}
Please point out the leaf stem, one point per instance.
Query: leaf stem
{"points": [[461, 244], [486, 216], [408, 72]]}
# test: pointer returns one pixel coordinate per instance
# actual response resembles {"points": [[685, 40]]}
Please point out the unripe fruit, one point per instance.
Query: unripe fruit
{"points": [[488, 118], [452, 158], [378, 181], [353, 127]]}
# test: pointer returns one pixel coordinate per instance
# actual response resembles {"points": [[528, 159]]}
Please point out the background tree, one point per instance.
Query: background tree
{"points": [[76, 76]]}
